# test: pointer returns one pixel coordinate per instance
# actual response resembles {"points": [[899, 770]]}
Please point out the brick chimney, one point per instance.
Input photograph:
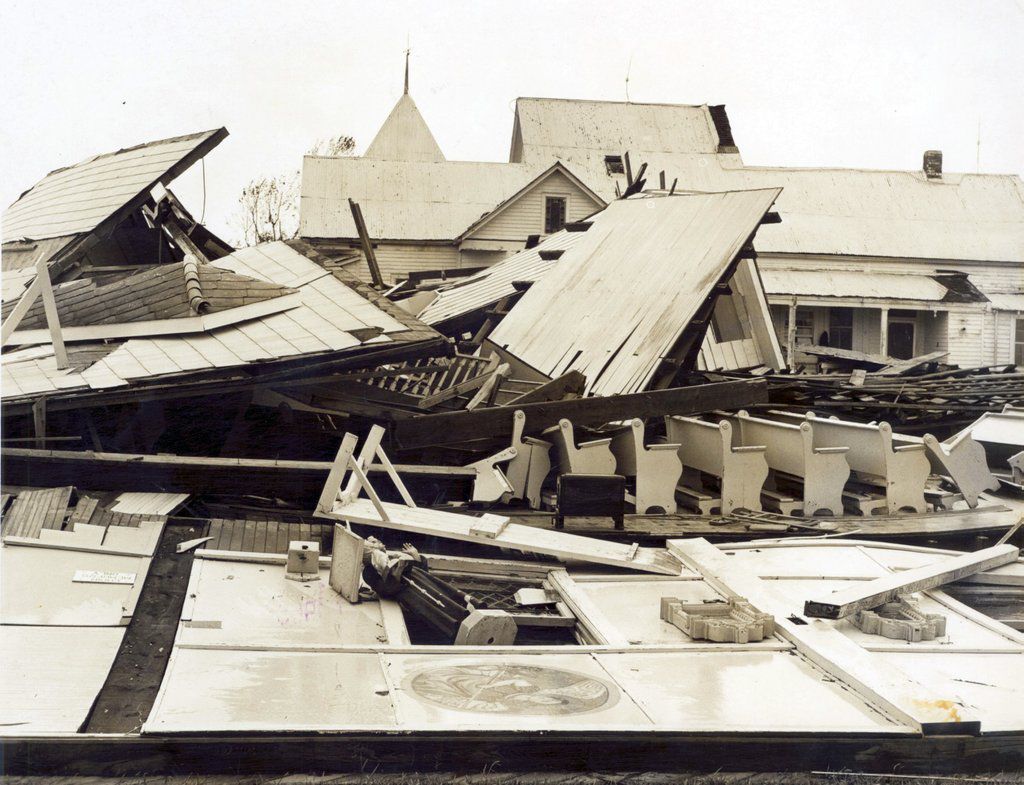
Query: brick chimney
{"points": [[933, 163]]}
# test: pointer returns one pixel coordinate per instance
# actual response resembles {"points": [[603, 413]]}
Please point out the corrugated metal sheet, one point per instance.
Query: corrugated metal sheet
{"points": [[404, 200], [616, 303], [847, 283], [490, 285], [78, 198], [324, 322], [404, 136]]}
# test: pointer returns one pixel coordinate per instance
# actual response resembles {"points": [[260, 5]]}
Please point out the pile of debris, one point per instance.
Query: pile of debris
{"points": [[250, 467]]}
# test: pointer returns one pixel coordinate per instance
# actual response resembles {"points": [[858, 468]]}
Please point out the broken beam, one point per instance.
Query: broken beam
{"points": [[454, 427], [871, 594]]}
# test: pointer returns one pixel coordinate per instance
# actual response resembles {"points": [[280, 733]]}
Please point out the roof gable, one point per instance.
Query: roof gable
{"points": [[404, 136], [557, 169]]}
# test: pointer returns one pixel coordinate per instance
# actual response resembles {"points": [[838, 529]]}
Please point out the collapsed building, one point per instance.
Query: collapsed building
{"points": [[439, 481]]}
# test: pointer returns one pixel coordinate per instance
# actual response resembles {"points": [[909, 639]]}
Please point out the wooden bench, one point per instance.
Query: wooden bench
{"points": [[530, 466], [901, 469], [963, 460], [593, 457], [656, 468], [708, 447], [790, 449]]}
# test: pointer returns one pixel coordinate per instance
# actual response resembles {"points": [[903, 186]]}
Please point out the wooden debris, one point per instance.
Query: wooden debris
{"points": [[871, 594]]}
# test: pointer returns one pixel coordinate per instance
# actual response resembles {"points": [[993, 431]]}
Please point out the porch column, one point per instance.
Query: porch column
{"points": [[791, 336], [883, 341]]}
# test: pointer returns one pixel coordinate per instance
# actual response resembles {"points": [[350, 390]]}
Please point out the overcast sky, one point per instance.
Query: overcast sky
{"points": [[859, 84]]}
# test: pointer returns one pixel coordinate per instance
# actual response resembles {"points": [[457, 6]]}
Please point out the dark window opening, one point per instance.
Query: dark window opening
{"points": [[554, 214], [613, 164], [840, 328]]}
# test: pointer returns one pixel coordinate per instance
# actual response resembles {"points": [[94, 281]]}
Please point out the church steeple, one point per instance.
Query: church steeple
{"points": [[405, 135], [406, 90]]}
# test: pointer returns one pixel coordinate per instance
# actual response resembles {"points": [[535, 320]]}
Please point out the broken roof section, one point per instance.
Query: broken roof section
{"points": [[165, 292], [316, 315], [92, 197], [617, 304]]}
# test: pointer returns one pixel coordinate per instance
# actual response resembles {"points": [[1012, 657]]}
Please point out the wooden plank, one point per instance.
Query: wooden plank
{"points": [[597, 629], [57, 508], [871, 594], [453, 427], [883, 685], [561, 545]]}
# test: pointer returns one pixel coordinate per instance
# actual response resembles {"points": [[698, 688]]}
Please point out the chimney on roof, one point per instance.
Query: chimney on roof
{"points": [[933, 163]]}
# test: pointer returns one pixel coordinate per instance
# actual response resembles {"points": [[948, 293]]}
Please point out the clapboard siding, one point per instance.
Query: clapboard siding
{"points": [[525, 216], [397, 261]]}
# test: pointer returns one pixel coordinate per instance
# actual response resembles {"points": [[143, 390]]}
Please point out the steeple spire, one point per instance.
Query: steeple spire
{"points": [[407, 50]]}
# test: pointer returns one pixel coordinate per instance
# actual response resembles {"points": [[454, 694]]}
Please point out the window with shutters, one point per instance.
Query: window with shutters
{"points": [[554, 214]]}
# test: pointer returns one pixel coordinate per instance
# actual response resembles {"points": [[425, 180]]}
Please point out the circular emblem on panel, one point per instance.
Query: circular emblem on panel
{"points": [[494, 688]]}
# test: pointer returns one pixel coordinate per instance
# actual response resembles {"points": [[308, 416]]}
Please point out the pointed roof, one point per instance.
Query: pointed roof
{"points": [[404, 136]]}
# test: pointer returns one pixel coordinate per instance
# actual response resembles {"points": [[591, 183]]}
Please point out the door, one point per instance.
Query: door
{"points": [[901, 340]]}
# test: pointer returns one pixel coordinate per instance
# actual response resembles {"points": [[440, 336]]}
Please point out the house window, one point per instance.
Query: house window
{"points": [[840, 328], [554, 214], [613, 164], [1018, 341]]}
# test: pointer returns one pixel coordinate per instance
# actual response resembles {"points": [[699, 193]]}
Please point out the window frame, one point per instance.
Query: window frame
{"points": [[565, 212]]}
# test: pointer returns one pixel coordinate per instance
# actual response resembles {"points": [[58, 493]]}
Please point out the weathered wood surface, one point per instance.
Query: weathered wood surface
{"points": [[872, 678], [495, 423]]}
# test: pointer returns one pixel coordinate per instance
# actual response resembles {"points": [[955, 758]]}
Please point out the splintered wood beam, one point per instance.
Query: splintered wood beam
{"points": [[495, 422], [329, 494], [871, 594], [366, 243], [182, 240]]}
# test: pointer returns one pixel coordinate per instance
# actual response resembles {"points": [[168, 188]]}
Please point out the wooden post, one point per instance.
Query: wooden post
{"points": [[364, 240], [39, 422], [883, 340], [52, 319], [791, 337]]}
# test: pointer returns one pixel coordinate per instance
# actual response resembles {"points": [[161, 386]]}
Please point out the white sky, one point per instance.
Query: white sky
{"points": [[865, 84]]}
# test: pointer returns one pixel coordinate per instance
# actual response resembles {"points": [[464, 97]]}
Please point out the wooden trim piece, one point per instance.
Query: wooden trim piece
{"points": [[929, 576], [597, 628]]}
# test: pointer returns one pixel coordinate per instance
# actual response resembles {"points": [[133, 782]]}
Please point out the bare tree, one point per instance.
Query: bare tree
{"points": [[269, 206]]}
